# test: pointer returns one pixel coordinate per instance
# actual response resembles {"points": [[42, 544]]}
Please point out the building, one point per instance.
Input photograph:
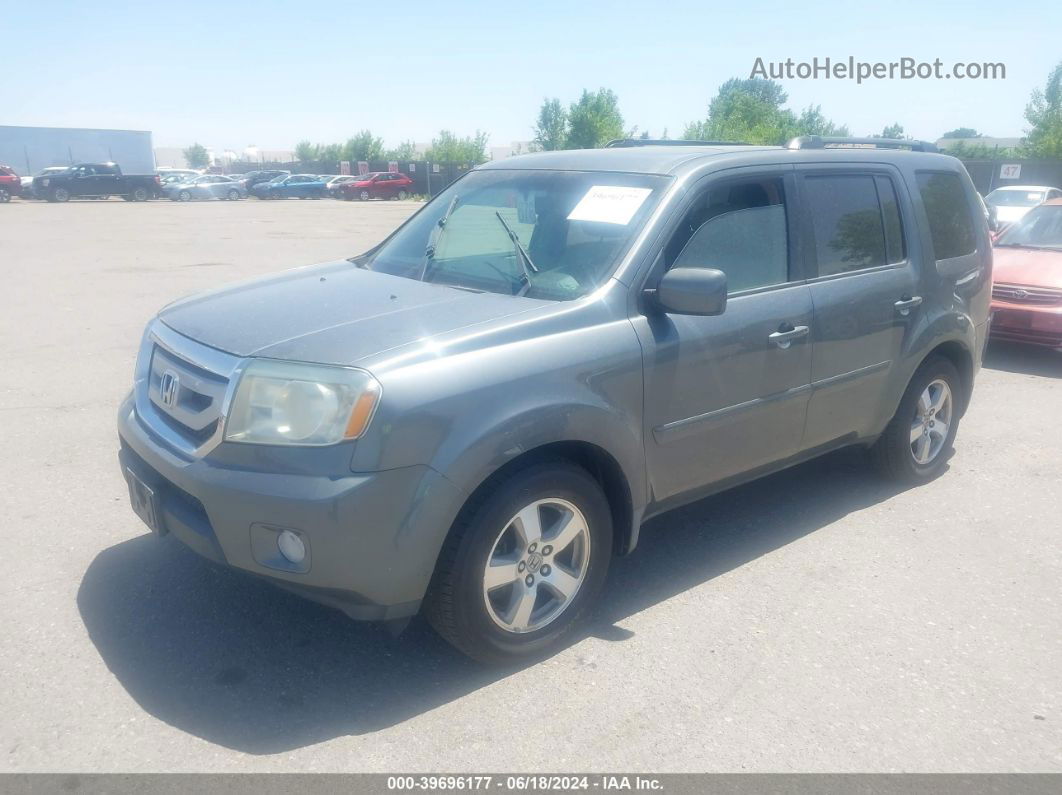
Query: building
{"points": [[29, 149]]}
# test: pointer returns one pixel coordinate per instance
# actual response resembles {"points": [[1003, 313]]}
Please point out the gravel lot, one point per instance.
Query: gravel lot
{"points": [[819, 620]]}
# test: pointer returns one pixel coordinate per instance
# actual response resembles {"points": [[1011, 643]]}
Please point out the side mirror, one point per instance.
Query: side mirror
{"points": [[692, 291]]}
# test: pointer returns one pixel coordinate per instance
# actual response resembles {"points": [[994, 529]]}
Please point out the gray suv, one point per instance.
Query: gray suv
{"points": [[472, 418]]}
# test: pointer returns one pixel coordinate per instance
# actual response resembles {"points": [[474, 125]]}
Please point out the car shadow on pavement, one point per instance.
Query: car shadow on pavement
{"points": [[237, 662], [1013, 357]]}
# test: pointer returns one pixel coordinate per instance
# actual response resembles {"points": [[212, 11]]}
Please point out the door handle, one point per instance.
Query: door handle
{"points": [[785, 335], [905, 305]]}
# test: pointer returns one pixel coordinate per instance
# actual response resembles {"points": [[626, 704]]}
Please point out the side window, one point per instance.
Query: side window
{"points": [[950, 225], [895, 243], [738, 228], [848, 222]]}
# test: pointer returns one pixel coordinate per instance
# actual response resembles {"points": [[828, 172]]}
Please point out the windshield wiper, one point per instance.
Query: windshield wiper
{"points": [[433, 239], [521, 254]]}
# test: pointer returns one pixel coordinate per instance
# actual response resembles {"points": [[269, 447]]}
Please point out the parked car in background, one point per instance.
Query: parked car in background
{"points": [[1013, 201], [236, 177], [92, 180], [27, 182], [10, 183], [378, 185], [1027, 294], [476, 415], [208, 186], [301, 186], [252, 178], [334, 182], [177, 173]]}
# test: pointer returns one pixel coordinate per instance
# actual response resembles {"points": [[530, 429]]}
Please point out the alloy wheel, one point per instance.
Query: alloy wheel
{"points": [[536, 566], [932, 420]]}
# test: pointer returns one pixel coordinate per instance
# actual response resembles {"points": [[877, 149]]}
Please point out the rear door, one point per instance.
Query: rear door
{"points": [[864, 282], [728, 394]]}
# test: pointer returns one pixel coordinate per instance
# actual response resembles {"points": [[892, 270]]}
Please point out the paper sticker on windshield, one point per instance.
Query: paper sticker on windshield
{"points": [[608, 204]]}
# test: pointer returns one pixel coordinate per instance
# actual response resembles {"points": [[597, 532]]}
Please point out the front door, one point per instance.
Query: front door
{"points": [[728, 394]]}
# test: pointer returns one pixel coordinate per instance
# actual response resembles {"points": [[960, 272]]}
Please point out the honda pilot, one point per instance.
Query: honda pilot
{"points": [[472, 418]]}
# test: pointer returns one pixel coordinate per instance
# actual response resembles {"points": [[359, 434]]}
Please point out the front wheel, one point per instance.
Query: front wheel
{"points": [[364, 195], [522, 564], [59, 195], [184, 196], [234, 195], [402, 195], [914, 446]]}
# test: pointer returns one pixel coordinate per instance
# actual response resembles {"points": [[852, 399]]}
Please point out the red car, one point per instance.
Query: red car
{"points": [[378, 185], [10, 184], [1027, 293]]}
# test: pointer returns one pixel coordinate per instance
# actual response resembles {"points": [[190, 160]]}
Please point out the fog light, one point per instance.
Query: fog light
{"points": [[291, 546]]}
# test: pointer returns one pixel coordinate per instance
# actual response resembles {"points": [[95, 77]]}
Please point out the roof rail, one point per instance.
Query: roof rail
{"points": [[829, 142], [621, 143]]}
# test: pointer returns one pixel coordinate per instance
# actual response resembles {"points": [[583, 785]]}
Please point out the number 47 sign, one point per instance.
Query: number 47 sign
{"points": [[1010, 171]]}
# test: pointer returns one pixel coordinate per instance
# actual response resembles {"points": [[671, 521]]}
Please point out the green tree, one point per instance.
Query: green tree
{"points": [[305, 152], [197, 156], [811, 121], [1043, 139], [407, 150], [448, 148], [594, 120], [891, 131], [753, 111], [551, 128], [363, 146], [962, 132]]}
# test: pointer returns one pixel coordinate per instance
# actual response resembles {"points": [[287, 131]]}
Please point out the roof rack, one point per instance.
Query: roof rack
{"points": [[826, 142], [621, 143]]}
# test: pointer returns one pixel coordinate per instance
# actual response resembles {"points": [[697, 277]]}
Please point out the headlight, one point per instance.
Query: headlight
{"points": [[300, 404]]}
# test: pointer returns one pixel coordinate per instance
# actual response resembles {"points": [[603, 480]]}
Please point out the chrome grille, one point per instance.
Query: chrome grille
{"points": [[194, 395], [182, 389], [1020, 294]]}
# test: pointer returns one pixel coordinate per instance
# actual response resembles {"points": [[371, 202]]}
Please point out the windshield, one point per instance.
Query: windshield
{"points": [[1015, 198], [1040, 228], [278, 180], [545, 234]]}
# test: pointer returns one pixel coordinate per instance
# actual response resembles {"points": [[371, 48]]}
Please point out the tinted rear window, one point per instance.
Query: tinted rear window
{"points": [[950, 224], [846, 217]]}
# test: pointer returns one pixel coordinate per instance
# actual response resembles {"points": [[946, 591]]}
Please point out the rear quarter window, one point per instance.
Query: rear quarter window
{"points": [[950, 223]]}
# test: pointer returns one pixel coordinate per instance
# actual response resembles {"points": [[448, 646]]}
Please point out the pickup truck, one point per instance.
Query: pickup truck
{"points": [[96, 179]]}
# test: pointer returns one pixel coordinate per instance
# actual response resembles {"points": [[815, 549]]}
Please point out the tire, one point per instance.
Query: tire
{"points": [[935, 391], [364, 196], [59, 195], [499, 624], [402, 195], [5, 195], [234, 195], [139, 195], [184, 196]]}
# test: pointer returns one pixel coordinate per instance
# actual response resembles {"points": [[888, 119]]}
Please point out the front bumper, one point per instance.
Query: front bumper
{"points": [[372, 538], [1040, 325]]}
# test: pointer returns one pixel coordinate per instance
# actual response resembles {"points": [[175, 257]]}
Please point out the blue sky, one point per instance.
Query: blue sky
{"points": [[231, 74]]}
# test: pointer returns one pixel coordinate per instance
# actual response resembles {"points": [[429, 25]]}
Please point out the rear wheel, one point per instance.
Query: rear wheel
{"points": [[5, 195], [234, 195], [184, 196], [140, 195], [522, 564], [914, 447]]}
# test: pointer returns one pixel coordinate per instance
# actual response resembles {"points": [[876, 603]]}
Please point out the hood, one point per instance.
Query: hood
{"points": [[1028, 266], [334, 313]]}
